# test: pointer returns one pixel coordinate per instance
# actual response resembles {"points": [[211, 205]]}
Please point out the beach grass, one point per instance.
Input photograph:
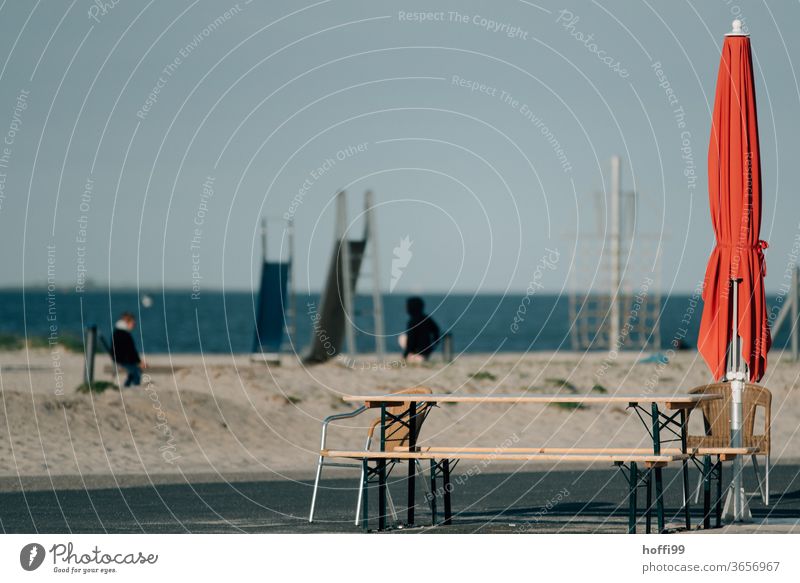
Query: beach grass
{"points": [[483, 375], [15, 342], [562, 383], [567, 406], [598, 388], [11, 342], [96, 387]]}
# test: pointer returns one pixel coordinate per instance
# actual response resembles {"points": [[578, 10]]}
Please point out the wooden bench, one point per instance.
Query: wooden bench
{"points": [[726, 453], [440, 457], [518, 454]]}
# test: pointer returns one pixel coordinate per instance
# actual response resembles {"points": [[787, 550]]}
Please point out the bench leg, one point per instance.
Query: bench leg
{"points": [[448, 511], [632, 487], [707, 476], [382, 474], [412, 474], [685, 469], [659, 499], [656, 421], [718, 508], [649, 493], [686, 496], [412, 470], [433, 492], [364, 492], [381, 494]]}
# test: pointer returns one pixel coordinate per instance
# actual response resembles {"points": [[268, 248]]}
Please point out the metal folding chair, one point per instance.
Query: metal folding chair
{"points": [[397, 436]]}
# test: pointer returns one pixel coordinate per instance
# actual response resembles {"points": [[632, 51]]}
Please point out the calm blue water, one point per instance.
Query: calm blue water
{"points": [[224, 322]]}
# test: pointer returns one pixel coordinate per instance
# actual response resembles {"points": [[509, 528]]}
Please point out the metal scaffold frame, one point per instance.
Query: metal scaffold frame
{"points": [[623, 311]]}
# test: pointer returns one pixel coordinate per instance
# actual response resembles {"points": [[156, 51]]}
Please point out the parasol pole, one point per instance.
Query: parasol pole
{"points": [[736, 508]]}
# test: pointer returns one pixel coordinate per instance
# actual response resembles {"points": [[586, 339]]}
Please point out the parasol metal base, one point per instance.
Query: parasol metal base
{"points": [[728, 513]]}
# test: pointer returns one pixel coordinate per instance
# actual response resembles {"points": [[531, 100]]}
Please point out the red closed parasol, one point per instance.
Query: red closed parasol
{"points": [[734, 192]]}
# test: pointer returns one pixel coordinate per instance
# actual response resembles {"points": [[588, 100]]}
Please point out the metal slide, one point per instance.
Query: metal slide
{"points": [[270, 317], [331, 321]]}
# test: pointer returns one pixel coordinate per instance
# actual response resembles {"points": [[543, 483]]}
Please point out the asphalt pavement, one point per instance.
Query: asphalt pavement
{"points": [[574, 501]]}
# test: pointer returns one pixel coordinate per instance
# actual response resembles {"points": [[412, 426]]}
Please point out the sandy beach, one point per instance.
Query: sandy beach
{"points": [[221, 415]]}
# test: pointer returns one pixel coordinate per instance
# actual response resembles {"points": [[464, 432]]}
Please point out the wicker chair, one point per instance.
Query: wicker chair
{"points": [[717, 424], [756, 397], [397, 437]]}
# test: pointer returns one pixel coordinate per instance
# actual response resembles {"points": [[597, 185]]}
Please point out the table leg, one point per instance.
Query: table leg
{"points": [[649, 493], [656, 422], [412, 470], [364, 489], [447, 488], [433, 491], [633, 484], [382, 474], [706, 492], [685, 469], [659, 499]]}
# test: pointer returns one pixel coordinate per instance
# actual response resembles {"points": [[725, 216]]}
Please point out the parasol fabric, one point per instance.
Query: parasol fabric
{"points": [[734, 192]]}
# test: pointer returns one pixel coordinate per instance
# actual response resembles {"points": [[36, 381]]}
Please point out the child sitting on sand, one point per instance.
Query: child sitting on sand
{"points": [[422, 335]]}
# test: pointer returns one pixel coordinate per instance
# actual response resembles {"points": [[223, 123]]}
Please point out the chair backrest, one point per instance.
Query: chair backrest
{"points": [[716, 417], [756, 396], [397, 431]]}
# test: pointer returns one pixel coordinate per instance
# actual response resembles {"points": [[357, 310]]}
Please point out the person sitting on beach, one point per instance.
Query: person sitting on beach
{"points": [[422, 335], [123, 349]]}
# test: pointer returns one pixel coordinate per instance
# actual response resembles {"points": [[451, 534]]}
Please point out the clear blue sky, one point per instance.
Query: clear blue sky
{"points": [[486, 130]]}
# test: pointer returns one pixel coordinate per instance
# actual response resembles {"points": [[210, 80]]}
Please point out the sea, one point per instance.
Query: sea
{"points": [[172, 321]]}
